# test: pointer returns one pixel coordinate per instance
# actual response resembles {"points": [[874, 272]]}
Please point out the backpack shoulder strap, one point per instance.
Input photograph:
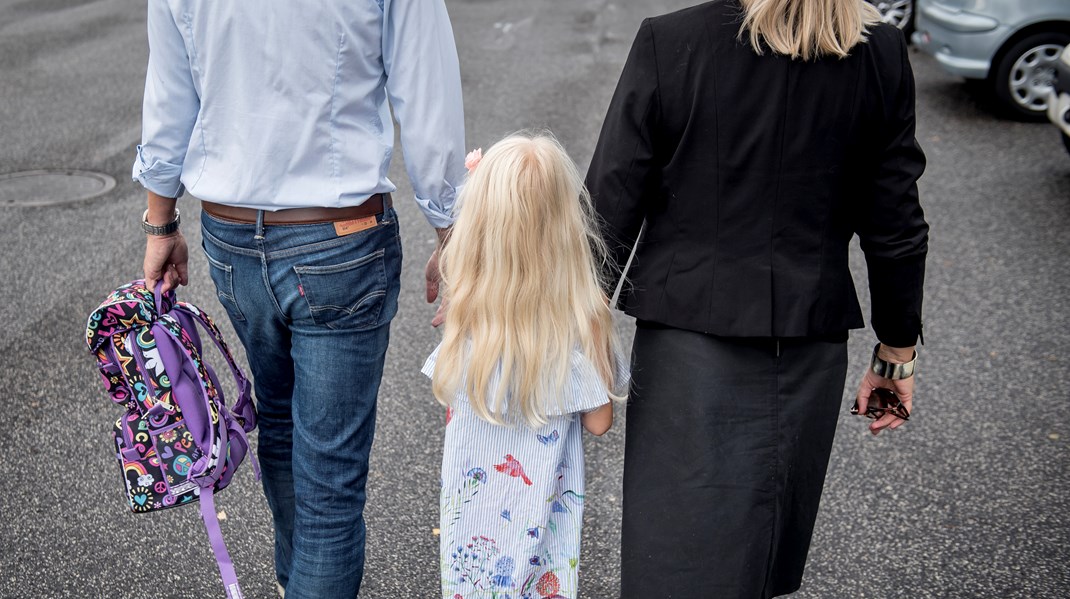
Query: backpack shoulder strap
{"points": [[242, 412], [216, 467], [243, 406], [208, 395]]}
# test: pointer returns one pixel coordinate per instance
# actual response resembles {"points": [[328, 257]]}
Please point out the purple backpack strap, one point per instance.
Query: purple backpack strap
{"points": [[219, 548], [243, 413], [142, 396], [212, 401], [243, 405], [239, 440]]}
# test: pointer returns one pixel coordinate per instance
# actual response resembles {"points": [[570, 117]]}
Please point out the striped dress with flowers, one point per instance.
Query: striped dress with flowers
{"points": [[512, 496]]}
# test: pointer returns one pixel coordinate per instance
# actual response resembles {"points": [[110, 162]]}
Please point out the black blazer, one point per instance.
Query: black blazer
{"points": [[753, 173]]}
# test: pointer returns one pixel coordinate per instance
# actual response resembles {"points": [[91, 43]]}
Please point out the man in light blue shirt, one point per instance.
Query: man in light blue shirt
{"points": [[277, 115]]}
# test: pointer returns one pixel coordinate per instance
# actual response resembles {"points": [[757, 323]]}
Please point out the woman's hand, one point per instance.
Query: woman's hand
{"points": [[903, 388]]}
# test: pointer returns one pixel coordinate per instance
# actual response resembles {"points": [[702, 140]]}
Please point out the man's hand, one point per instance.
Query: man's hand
{"points": [[433, 277], [903, 388], [167, 258]]}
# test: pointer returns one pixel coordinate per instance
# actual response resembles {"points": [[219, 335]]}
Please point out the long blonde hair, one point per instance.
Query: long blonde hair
{"points": [[807, 29], [521, 272]]}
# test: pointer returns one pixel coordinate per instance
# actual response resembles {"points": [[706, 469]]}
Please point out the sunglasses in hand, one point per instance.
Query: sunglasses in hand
{"points": [[883, 401]]}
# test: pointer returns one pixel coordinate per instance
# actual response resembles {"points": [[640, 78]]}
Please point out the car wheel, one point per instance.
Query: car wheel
{"points": [[1023, 77], [897, 12]]}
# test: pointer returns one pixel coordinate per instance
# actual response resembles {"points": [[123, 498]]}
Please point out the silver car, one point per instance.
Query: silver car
{"points": [[1012, 45], [899, 13], [896, 12]]}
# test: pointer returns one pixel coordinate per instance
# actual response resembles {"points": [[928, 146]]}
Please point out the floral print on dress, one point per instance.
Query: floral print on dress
{"points": [[512, 497]]}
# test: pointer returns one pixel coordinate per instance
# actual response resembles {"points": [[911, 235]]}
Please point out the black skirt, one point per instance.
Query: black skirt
{"points": [[728, 441]]}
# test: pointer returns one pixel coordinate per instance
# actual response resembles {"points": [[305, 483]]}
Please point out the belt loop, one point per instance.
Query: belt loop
{"points": [[259, 225], [778, 347]]}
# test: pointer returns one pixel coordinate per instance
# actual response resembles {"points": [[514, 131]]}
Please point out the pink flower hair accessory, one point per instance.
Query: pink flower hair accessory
{"points": [[471, 161]]}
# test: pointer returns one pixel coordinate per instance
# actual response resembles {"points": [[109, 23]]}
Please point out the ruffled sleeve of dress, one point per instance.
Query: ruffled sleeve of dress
{"points": [[586, 391], [428, 369]]}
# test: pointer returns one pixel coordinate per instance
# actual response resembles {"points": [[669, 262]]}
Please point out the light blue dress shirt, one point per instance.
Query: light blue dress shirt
{"points": [[274, 104]]}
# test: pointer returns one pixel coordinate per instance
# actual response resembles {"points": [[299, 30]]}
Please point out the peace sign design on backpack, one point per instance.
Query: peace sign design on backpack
{"points": [[178, 440]]}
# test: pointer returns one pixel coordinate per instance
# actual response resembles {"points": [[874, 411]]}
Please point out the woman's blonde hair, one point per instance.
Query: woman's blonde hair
{"points": [[522, 276], [807, 28]]}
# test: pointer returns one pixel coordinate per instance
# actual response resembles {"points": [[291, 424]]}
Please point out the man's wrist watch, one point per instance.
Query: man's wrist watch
{"points": [[891, 370], [167, 229]]}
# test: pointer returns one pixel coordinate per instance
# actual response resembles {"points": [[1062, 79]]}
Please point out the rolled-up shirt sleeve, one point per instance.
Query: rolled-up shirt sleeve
{"points": [[170, 107], [424, 87]]}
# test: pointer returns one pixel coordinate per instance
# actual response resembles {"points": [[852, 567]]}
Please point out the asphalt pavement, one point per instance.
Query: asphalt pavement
{"points": [[968, 500]]}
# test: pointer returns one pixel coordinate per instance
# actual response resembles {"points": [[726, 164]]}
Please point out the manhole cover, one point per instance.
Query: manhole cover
{"points": [[52, 186]]}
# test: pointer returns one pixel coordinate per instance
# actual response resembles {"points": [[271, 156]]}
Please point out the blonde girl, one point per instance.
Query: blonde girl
{"points": [[527, 358]]}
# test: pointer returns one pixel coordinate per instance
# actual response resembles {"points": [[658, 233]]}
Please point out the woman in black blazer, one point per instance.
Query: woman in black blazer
{"points": [[754, 138]]}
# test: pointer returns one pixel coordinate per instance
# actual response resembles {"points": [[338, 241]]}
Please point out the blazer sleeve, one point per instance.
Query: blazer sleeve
{"points": [[622, 172], [892, 230]]}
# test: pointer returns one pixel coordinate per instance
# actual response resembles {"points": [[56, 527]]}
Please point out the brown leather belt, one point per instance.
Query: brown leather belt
{"points": [[374, 205]]}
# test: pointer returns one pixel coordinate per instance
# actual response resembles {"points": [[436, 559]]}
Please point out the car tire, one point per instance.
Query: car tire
{"points": [[898, 12], [1066, 141], [1022, 74]]}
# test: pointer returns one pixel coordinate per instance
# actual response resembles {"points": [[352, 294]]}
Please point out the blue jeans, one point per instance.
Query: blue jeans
{"points": [[313, 311]]}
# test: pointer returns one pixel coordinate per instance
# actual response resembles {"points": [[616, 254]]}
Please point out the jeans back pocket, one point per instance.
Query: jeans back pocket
{"points": [[349, 295], [223, 276]]}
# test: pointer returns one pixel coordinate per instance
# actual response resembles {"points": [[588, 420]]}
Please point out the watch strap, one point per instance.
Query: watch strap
{"points": [[158, 230]]}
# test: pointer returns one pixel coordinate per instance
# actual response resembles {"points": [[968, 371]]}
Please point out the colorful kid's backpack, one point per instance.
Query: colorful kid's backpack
{"points": [[178, 441]]}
